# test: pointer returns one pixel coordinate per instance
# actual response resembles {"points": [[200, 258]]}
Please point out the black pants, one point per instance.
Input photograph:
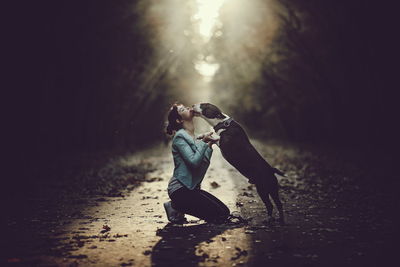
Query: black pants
{"points": [[200, 204]]}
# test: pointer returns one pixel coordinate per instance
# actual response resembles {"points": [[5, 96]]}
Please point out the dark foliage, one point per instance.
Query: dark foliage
{"points": [[329, 76], [80, 81]]}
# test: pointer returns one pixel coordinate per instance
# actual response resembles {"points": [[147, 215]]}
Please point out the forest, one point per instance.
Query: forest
{"points": [[88, 85], [90, 77]]}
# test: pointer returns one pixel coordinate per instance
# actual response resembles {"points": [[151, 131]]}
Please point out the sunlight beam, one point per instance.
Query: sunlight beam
{"points": [[207, 16]]}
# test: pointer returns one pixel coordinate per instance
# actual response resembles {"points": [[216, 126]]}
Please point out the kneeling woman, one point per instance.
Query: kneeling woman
{"points": [[191, 159]]}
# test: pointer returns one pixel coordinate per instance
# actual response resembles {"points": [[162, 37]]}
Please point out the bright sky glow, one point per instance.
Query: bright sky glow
{"points": [[207, 16], [207, 70]]}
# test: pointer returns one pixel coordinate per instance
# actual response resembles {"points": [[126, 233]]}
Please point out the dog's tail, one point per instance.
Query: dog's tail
{"points": [[275, 170]]}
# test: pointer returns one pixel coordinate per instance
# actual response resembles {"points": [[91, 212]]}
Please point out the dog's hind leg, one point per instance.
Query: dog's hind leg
{"points": [[263, 193], [275, 196]]}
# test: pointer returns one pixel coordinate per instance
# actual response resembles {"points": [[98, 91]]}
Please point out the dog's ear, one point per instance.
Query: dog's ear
{"points": [[220, 116]]}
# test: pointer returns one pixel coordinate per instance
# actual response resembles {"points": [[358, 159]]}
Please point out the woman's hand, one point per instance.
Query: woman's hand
{"points": [[207, 138]]}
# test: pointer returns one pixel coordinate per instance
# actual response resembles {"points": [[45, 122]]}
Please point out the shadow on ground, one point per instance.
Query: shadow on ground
{"points": [[179, 244]]}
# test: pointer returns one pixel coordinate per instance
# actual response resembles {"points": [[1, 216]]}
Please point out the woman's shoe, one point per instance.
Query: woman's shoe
{"points": [[173, 215]]}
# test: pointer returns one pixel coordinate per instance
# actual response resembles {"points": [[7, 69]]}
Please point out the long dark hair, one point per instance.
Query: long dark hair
{"points": [[172, 125]]}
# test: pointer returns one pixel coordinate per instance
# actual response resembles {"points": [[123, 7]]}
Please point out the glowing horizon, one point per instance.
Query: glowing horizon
{"points": [[207, 16]]}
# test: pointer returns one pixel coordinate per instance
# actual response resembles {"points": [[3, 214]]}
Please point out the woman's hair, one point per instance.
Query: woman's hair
{"points": [[173, 115]]}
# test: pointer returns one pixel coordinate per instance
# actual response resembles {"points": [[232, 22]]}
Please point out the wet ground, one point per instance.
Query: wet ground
{"points": [[337, 208]]}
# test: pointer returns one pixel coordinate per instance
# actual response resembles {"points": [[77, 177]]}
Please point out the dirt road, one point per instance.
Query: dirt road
{"points": [[332, 219]]}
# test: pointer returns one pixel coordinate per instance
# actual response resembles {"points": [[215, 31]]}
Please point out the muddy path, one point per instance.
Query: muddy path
{"points": [[335, 215]]}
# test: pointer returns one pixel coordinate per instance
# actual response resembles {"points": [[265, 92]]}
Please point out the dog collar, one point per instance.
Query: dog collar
{"points": [[223, 124]]}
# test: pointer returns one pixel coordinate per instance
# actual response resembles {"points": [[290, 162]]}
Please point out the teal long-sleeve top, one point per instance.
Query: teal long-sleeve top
{"points": [[191, 159]]}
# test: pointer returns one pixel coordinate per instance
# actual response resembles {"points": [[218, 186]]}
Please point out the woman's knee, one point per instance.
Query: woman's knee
{"points": [[221, 213], [215, 212], [220, 217], [215, 204], [225, 212]]}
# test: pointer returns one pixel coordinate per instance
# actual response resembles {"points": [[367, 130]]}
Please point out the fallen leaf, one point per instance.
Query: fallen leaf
{"points": [[214, 185]]}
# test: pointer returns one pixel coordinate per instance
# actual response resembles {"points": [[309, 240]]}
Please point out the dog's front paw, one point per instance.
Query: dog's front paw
{"points": [[214, 138]]}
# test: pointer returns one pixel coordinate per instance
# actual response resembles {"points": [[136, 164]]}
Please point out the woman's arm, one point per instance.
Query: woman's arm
{"points": [[208, 153], [192, 158]]}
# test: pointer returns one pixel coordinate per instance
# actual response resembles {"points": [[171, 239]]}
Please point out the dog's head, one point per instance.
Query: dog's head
{"points": [[208, 111]]}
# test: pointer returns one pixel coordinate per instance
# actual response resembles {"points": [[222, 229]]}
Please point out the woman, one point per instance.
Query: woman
{"points": [[191, 159]]}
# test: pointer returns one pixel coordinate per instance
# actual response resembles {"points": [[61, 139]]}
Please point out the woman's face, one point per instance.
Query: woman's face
{"points": [[185, 112]]}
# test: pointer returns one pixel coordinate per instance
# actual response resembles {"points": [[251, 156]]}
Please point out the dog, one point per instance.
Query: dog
{"points": [[236, 148]]}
